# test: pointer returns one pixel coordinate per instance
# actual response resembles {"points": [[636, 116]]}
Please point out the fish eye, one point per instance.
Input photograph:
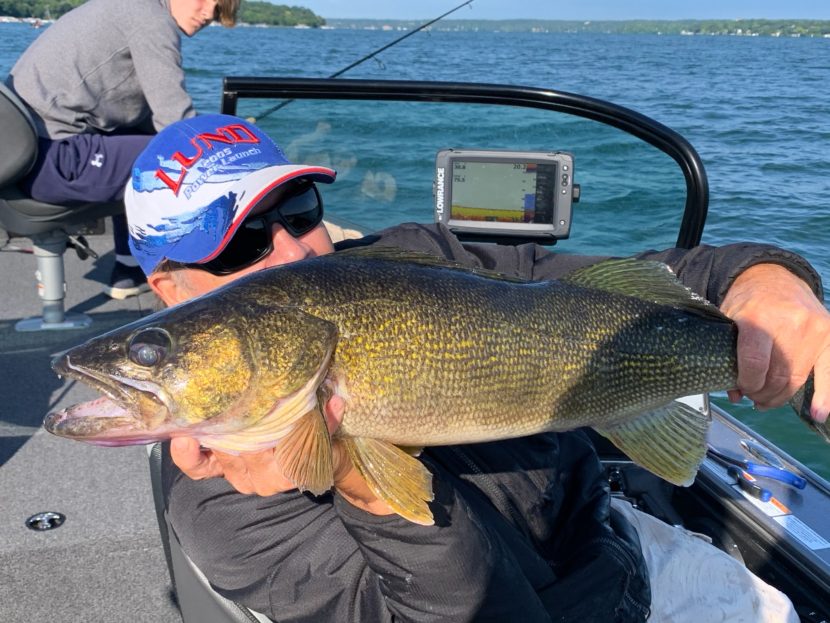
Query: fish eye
{"points": [[149, 347]]}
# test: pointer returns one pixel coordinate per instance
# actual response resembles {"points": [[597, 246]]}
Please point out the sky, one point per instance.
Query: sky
{"points": [[578, 10]]}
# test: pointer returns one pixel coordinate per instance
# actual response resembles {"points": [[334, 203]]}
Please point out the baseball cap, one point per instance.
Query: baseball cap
{"points": [[196, 181]]}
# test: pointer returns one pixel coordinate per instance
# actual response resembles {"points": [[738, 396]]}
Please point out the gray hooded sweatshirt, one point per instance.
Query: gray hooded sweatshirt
{"points": [[108, 65]]}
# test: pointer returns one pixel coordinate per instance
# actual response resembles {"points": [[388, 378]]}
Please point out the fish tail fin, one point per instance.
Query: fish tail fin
{"points": [[305, 454], [394, 476], [669, 442], [801, 401]]}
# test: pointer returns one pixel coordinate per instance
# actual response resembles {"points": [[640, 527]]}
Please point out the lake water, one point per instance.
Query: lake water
{"points": [[755, 109]]}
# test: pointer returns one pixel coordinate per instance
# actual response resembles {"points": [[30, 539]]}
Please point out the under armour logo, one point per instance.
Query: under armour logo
{"points": [[97, 161]]}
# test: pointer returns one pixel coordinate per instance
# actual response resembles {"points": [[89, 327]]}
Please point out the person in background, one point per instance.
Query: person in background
{"points": [[525, 528], [99, 82]]}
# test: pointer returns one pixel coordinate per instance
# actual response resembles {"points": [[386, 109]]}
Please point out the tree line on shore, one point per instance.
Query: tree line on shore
{"points": [[746, 27], [251, 12]]}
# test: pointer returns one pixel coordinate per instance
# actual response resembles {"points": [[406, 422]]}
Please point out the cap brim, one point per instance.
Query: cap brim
{"points": [[249, 191]]}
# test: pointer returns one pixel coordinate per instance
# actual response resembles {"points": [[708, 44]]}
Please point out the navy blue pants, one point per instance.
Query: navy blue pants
{"points": [[86, 168]]}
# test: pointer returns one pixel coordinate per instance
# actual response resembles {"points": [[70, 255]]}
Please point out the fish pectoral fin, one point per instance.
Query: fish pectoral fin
{"points": [[305, 454], [669, 442], [394, 476]]}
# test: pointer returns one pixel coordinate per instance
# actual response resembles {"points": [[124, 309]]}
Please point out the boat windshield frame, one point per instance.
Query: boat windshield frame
{"points": [[636, 124]]}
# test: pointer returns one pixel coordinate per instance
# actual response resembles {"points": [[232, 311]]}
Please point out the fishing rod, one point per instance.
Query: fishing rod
{"points": [[367, 57]]}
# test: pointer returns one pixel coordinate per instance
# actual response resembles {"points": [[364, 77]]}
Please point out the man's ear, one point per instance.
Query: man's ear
{"points": [[166, 286]]}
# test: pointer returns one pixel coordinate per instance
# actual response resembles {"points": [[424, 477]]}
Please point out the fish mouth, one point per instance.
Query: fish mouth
{"points": [[116, 418]]}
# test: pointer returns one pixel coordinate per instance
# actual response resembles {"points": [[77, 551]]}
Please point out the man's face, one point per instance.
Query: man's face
{"points": [[192, 15], [188, 283]]}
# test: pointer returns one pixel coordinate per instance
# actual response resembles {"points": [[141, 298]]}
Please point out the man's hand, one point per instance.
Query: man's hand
{"points": [[249, 472], [783, 334], [259, 472]]}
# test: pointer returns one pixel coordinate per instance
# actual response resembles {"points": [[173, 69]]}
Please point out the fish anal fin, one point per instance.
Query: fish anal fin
{"points": [[394, 476], [305, 454], [669, 442]]}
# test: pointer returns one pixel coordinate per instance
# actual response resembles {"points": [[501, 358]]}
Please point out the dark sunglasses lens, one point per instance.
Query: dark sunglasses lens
{"points": [[299, 213], [250, 243], [302, 212]]}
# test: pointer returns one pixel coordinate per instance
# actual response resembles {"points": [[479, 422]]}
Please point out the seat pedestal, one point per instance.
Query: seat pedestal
{"points": [[51, 286]]}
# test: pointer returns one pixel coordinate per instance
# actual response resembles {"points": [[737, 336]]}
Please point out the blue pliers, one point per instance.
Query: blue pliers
{"points": [[758, 469]]}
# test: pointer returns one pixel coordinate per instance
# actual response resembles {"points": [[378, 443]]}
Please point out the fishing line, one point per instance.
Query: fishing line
{"points": [[367, 57]]}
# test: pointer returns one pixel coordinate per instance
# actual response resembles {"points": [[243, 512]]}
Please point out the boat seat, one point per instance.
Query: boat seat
{"points": [[50, 227], [197, 600]]}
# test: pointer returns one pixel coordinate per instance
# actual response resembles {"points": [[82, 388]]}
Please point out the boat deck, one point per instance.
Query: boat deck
{"points": [[105, 563]]}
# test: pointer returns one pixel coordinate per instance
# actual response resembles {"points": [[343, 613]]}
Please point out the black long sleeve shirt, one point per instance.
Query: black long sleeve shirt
{"points": [[523, 527]]}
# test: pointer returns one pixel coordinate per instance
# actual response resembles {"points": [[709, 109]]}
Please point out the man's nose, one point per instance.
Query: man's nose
{"points": [[287, 248]]}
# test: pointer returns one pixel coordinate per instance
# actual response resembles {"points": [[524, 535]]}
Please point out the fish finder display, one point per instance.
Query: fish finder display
{"points": [[503, 192], [505, 196]]}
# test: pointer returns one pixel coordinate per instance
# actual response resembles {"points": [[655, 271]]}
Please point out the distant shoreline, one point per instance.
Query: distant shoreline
{"points": [[736, 27]]}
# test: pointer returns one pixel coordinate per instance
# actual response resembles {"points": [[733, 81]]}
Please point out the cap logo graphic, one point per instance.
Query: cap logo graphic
{"points": [[229, 135], [196, 181]]}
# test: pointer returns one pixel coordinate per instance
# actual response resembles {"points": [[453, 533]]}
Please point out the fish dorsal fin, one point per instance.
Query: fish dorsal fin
{"points": [[395, 254], [647, 280]]}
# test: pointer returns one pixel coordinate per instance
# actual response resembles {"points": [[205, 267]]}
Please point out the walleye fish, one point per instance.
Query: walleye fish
{"points": [[423, 353]]}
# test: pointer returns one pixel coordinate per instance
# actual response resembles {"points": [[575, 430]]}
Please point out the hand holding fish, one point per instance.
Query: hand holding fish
{"points": [[248, 472], [260, 473], [783, 334]]}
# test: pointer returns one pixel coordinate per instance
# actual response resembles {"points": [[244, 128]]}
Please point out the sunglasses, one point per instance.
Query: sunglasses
{"points": [[299, 211]]}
